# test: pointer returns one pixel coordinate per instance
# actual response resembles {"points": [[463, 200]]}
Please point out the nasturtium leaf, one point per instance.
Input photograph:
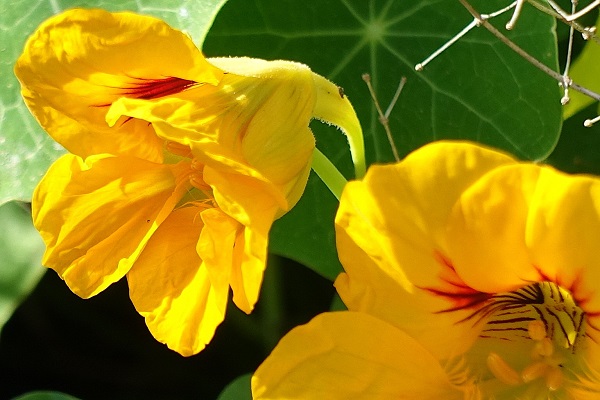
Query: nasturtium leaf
{"points": [[238, 389], [337, 304], [21, 250], [45, 395], [584, 72], [25, 150], [477, 90], [577, 150]]}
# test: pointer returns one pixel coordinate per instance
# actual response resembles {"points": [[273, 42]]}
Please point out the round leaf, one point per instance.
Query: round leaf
{"points": [[20, 265]]}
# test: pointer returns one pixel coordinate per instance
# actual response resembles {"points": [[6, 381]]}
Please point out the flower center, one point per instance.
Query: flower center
{"points": [[508, 315], [543, 313], [191, 181], [545, 363]]}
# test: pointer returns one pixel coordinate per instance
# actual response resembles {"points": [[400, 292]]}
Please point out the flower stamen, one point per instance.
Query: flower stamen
{"points": [[544, 313], [178, 149], [536, 330], [197, 182], [545, 364], [501, 370]]}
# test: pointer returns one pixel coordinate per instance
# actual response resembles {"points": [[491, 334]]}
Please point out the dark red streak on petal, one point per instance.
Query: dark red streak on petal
{"points": [[148, 89], [455, 290]]}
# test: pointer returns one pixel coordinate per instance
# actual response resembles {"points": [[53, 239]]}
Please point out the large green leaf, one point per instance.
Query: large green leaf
{"points": [[21, 251], [25, 150], [585, 72], [577, 150], [45, 395], [238, 389], [478, 90]]}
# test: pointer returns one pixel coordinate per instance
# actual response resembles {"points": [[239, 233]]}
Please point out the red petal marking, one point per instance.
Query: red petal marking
{"points": [[574, 288], [147, 89], [454, 289], [592, 318]]}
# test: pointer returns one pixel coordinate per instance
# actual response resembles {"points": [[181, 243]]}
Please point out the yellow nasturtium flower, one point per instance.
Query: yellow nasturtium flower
{"points": [[178, 164], [468, 275]]}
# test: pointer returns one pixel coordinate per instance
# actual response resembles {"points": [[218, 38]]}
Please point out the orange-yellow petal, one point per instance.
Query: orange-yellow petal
{"points": [[563, 233], [487, 230], [95, 216], [79, 62], [391, 240], [254, 123], [349, 355], [170, 286], [241, 199], [217, 247], [525, 223]]}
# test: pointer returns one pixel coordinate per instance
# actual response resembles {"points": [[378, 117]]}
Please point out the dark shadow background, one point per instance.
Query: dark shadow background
{"points": [[100, 348]]}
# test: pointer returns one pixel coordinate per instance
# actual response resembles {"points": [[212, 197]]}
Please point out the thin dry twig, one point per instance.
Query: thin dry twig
{"points": [[554, 10], [588, 33], [532, 60], [384, 117]]}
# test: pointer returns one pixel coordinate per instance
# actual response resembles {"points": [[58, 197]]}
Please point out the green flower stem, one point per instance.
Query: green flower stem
{"points": [[328, 173]]}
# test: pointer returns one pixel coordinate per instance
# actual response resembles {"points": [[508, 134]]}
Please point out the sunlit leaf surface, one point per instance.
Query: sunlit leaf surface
{"points": [[585, 72], [21, 251]]}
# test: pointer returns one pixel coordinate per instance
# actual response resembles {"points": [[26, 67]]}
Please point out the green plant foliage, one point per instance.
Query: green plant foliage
{"points": [[477, 90], [577, 150], [25, 150], [238, 389], [21, 251], [45, 395], [585, 72]]}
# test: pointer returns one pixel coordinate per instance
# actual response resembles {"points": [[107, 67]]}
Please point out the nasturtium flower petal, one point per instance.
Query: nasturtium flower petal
{"points": [[485, 235], [263, 110], [79, 62], [390, 230], [489, 264], [525, 242], [96, 215], [350, 355], [239, 198], [216, 245], [565, 210], [162, 138], [170, 286]]}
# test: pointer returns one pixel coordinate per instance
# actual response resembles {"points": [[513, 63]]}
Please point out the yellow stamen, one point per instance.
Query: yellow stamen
{"points": [[547, 365], [536, 330], [554, 378], [502, 370], [544, 347], [197, 181], [534, 371], [178, 149], [197, 165]]}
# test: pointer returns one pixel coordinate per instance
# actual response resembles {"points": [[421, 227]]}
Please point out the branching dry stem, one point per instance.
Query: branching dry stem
{"points": [[384, 117], [532, 60], [554, 10]]}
